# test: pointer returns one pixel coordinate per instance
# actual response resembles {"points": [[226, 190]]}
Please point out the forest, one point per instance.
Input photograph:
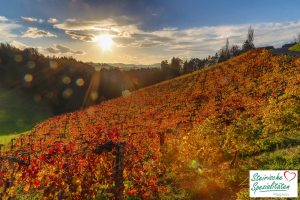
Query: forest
{"points": [[66, 84]]}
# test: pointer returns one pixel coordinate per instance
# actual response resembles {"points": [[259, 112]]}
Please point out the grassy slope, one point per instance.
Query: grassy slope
{"points": [[18, 112], [296, 47], [6, 138], [239, 115]]}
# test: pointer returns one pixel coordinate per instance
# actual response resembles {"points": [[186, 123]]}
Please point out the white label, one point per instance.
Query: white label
{"points": [[273, 183]]}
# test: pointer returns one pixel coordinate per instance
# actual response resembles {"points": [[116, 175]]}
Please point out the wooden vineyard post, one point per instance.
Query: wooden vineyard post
{"points": [[232, 163], [119, 180], [1, 145], [22, 142], [161, 139], [118, 173], [12, 143]]}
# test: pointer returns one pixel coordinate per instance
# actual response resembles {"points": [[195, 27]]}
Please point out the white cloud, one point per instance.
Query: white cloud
{"points": [[6, 29], [81, 35], [32, 19], [29, 19], [157, 44], [61, 49], [52, 20], [209, 39], [18, 45], [3, 19], [79, 25], [88, 30], [202, 41], [37, 33]]}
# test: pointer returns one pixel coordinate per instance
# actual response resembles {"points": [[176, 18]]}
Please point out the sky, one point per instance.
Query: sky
{"points": [[144, 31]]}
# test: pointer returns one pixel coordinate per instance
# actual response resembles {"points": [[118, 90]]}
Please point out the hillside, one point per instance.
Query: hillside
{"points": [[65, 84], [19, 112], [123, 66], [295, 47], [195, 136]]}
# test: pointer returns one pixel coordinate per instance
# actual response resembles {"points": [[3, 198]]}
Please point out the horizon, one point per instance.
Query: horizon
{"points": [[144, 32]]}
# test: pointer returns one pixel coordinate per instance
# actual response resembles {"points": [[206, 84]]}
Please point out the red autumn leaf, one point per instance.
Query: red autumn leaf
{"points": [[164, 190], [50, 150], [36, 183]]}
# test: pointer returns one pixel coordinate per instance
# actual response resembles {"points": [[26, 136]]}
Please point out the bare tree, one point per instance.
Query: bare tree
{"points": [[235, 50], [298, 38], [248, 44], [224, 53]]}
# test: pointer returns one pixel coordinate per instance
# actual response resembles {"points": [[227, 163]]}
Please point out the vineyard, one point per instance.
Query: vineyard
{"points": [[195, 136]]}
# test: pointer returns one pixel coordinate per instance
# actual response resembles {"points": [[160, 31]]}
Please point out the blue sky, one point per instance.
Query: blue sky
{"points": [[144, 31]]}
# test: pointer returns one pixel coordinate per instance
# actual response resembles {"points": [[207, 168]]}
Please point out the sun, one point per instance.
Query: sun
{"points": [[105, 42]]}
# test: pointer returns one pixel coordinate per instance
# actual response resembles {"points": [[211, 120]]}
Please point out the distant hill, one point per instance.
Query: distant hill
{"points": [[192, 137], [134, 66], [123, 66]]}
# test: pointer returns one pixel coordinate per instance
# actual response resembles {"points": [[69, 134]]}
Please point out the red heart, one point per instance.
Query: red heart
{"points": [[289, 175]]}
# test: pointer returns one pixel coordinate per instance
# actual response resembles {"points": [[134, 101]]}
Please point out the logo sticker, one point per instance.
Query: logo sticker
{"points": [[273, 183]]}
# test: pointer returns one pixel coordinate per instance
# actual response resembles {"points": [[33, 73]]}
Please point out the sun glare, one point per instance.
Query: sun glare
{"points": [[105, 42]]}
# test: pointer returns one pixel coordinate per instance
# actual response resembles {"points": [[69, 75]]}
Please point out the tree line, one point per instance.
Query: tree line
{"points": [[67, 84], [178, 66]]}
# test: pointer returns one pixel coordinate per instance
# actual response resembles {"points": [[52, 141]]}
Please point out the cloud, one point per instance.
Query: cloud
{"points": [[60, 49], [7, 28], [81, 35], [79, 25], [203, 41], [56, 49], [86, 31], [18, 45], [3, 19], [52, 20], [127, 34], [213, 38], [37, 33], [31, 19], [193, 41]]}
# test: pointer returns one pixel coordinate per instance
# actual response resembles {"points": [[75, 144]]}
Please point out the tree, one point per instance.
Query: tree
{"points": [[164, 65], [248, 44], [63, 82], [224, 53], [235, 50], [176, 64], [186, 68], [170, 70], [227, 46], [298, 38]]}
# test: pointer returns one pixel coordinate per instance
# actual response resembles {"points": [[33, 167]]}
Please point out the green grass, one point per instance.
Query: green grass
{"points": [[19, 112], [296, 47], [5, 139], [282, 159]]}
